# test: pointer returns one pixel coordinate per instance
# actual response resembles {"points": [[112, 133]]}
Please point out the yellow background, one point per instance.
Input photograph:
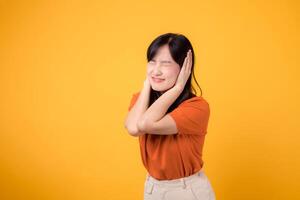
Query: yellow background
{"points": [[68, 70]]}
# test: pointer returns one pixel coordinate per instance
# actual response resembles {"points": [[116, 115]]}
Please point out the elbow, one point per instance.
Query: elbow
{"points": [[138, 128], [133, 130], [130, 128]]}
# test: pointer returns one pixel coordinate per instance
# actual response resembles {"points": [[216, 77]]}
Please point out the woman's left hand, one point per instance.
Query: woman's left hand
{"points": [[185, 71]]}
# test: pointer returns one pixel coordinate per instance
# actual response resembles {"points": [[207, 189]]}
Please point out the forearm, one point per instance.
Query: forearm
{"points": [[159, 108], [138, 109]]}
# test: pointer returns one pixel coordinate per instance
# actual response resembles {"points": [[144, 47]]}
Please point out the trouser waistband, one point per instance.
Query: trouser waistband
{"points": [[175, 182]]}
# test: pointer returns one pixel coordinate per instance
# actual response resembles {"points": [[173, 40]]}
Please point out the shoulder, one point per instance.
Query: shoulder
{"points": [[196, 101], [137, 93], [195, 107], [191, 116]]}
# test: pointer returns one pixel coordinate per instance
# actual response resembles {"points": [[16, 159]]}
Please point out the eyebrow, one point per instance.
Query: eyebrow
{"points": [[164, 61]]}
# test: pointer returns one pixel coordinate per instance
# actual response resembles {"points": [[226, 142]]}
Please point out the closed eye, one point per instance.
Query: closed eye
{"points": [[163, 62]]}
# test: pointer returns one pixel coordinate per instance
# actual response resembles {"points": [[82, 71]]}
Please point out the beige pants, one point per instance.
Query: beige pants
{"points": [[194, 187]]}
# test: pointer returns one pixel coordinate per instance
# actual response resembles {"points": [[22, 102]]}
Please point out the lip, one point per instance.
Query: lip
{"points": [[157, 80]]}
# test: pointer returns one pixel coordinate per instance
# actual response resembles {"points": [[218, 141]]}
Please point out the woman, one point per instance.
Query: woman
{"points": [[171, 123]]}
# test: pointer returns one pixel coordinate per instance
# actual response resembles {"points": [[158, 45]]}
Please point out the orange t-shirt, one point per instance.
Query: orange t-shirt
{"points": [[178, 155]]}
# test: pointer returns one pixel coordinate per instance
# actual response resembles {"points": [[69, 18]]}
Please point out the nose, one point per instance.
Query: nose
{"points": [[156, 70]]}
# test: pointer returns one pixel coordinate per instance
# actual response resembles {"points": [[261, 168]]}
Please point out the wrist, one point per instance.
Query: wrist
{"points": [[146, 84], [178, 88]]}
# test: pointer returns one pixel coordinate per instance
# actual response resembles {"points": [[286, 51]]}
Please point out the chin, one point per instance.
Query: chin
{"points": [[159, 89]]}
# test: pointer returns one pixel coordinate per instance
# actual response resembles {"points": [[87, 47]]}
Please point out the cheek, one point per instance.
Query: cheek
{"points": [[148, 73], [172, 74], [149, 69]]}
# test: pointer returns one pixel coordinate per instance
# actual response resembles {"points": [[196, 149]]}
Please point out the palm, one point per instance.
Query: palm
{"points": [[185, 70]]}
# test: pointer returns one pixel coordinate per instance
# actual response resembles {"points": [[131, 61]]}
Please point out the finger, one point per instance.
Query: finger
{"points": [[188, 62], [187, 56], [184, 63]]}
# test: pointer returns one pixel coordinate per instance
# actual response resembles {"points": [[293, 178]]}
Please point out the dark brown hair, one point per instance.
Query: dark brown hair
{"points": [[178, 46]]}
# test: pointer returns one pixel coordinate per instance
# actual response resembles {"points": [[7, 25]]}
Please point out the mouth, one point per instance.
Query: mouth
{"points": [[157, 80]]}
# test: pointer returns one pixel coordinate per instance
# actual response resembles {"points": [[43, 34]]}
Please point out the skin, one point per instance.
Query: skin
{"points": [[153, 120], [164, 67]]}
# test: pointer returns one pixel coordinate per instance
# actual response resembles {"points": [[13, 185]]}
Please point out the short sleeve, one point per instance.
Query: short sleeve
{"points": [[191, 117], [133, 100]]}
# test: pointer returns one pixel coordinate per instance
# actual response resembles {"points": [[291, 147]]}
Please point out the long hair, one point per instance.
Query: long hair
{"points": [[178, 46]]}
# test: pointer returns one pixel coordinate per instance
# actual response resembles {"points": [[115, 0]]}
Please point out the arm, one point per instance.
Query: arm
{"points": [[152, 120], [137, 110]]}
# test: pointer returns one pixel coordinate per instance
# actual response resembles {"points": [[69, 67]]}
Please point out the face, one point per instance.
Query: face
{"points": [[162, 70]]}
